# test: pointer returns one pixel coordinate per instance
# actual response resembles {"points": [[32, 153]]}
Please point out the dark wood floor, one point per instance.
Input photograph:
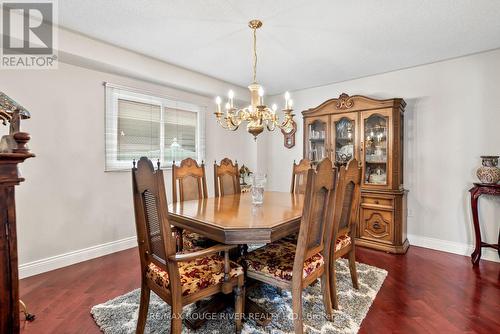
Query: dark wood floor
{"points": [[425, 292]]}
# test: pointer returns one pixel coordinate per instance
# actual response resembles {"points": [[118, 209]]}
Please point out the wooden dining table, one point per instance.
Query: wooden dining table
{"points": [[233, 219]]}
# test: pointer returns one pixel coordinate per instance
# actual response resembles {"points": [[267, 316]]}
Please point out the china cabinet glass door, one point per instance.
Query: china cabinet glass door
{"points": [[316, 144], [344, 141], [376, 148]]}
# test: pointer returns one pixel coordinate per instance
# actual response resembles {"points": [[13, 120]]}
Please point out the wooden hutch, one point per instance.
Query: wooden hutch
{"points": [[371, 131], [13, 151]]}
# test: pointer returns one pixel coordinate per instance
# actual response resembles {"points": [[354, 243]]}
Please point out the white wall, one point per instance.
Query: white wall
{"points": [[68, 207], [452, 117]]}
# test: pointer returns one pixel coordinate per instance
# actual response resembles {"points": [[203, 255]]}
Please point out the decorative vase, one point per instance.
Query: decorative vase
{"points": [[489, 172]]}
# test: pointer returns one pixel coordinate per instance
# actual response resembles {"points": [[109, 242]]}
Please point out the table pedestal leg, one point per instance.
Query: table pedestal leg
{"points": [[218, 303], [254, 312], [201, 314]]}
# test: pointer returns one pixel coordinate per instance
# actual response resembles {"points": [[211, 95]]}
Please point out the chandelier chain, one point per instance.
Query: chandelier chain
{"points": [[254, 55]]}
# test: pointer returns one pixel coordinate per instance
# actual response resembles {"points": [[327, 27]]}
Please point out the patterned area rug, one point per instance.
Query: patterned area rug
{"points": [[119, 315]]}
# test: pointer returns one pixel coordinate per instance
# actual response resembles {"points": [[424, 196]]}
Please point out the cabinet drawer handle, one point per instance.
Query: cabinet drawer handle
{"points": [[376, 201], [377, 226]]}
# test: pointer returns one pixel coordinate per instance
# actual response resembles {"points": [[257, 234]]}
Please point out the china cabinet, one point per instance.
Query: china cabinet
{"points": [[371, 131]]}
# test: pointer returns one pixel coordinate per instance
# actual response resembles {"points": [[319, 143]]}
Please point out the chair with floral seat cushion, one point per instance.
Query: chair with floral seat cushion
{"points": [[189, 183], [178, 278], [195, 274], [299, 176], [347, 197], [298, 186], [275, 261], [296, 266], [226, 178]]}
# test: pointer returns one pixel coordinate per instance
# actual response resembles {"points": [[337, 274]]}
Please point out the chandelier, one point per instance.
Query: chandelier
{"points": [[257, 115]]}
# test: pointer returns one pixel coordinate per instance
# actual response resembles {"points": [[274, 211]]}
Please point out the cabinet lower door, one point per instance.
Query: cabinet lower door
{"points": [[382, 222], [377, 225]]}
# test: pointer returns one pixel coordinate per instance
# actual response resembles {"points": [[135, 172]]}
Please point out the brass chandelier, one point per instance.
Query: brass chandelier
{"points": [[257, 115]]}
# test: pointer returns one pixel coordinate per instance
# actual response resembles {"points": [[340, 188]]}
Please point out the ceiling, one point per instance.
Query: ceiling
{"points": [[301, 44]]}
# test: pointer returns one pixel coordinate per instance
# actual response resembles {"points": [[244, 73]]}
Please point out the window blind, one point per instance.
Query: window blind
{"points": [[139, 124]]}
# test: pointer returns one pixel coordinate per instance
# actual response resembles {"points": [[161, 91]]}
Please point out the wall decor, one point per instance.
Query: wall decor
{"points": [[289, 135], [245, 174]]}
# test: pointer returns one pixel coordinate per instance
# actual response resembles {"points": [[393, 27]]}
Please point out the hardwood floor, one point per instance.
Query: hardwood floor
{"points": [[425, 292]]}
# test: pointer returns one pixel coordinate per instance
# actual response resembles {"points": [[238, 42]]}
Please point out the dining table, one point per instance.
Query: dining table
{"points": [[235, 220]]}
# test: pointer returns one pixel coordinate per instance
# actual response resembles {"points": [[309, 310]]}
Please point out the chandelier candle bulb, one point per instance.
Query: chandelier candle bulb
{"points": [[287, 98], [218, 101], [230, 94]]}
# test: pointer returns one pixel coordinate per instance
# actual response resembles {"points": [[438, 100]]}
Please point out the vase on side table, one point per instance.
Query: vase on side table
{"points": [[489, 173]]}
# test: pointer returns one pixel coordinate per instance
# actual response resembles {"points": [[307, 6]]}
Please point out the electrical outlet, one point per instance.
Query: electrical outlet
{"points": [[410, 212]]}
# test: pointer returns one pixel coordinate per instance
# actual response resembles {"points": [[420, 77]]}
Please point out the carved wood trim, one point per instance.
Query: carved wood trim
{"points": [[353, 103], [379, 217], [344, 102]]}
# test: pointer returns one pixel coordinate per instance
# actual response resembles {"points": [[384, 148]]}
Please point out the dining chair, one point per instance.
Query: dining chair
{"points": [[347, 197], [178, 278], [295, 266], [226, 178], [299, 181], [189, 182], [299, 176]]}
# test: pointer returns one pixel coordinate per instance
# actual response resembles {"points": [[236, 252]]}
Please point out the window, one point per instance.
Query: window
{"points": [[139, 124]]}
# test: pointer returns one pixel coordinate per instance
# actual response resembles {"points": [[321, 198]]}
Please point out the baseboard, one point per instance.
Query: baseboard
{"points": [[63, 260], [67, 259], [451, 247]]}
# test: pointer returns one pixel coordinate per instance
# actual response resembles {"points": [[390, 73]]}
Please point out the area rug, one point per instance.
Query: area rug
{"points": [[119, 315]]}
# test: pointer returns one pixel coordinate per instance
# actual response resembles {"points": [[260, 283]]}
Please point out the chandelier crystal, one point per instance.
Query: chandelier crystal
{"points": [[257, 115]]}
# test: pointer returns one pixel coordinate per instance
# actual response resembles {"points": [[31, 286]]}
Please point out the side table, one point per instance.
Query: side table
{"points": [[476, 191]]}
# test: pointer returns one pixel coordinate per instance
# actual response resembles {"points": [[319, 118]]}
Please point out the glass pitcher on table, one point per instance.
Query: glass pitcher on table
{"points": [[258, 185]]}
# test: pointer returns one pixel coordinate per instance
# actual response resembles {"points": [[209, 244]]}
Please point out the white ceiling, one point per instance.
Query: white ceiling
{"points": [[302, 43]]}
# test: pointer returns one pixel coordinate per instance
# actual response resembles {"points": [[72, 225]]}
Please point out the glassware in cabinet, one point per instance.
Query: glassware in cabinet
{"points": [[317, 140], [375, 149], [344, 141]]}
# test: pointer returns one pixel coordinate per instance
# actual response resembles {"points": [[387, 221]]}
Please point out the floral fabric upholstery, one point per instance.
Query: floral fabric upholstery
{"points": [[196, 274], [342, 241], [276, 260], [195, 240]]}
